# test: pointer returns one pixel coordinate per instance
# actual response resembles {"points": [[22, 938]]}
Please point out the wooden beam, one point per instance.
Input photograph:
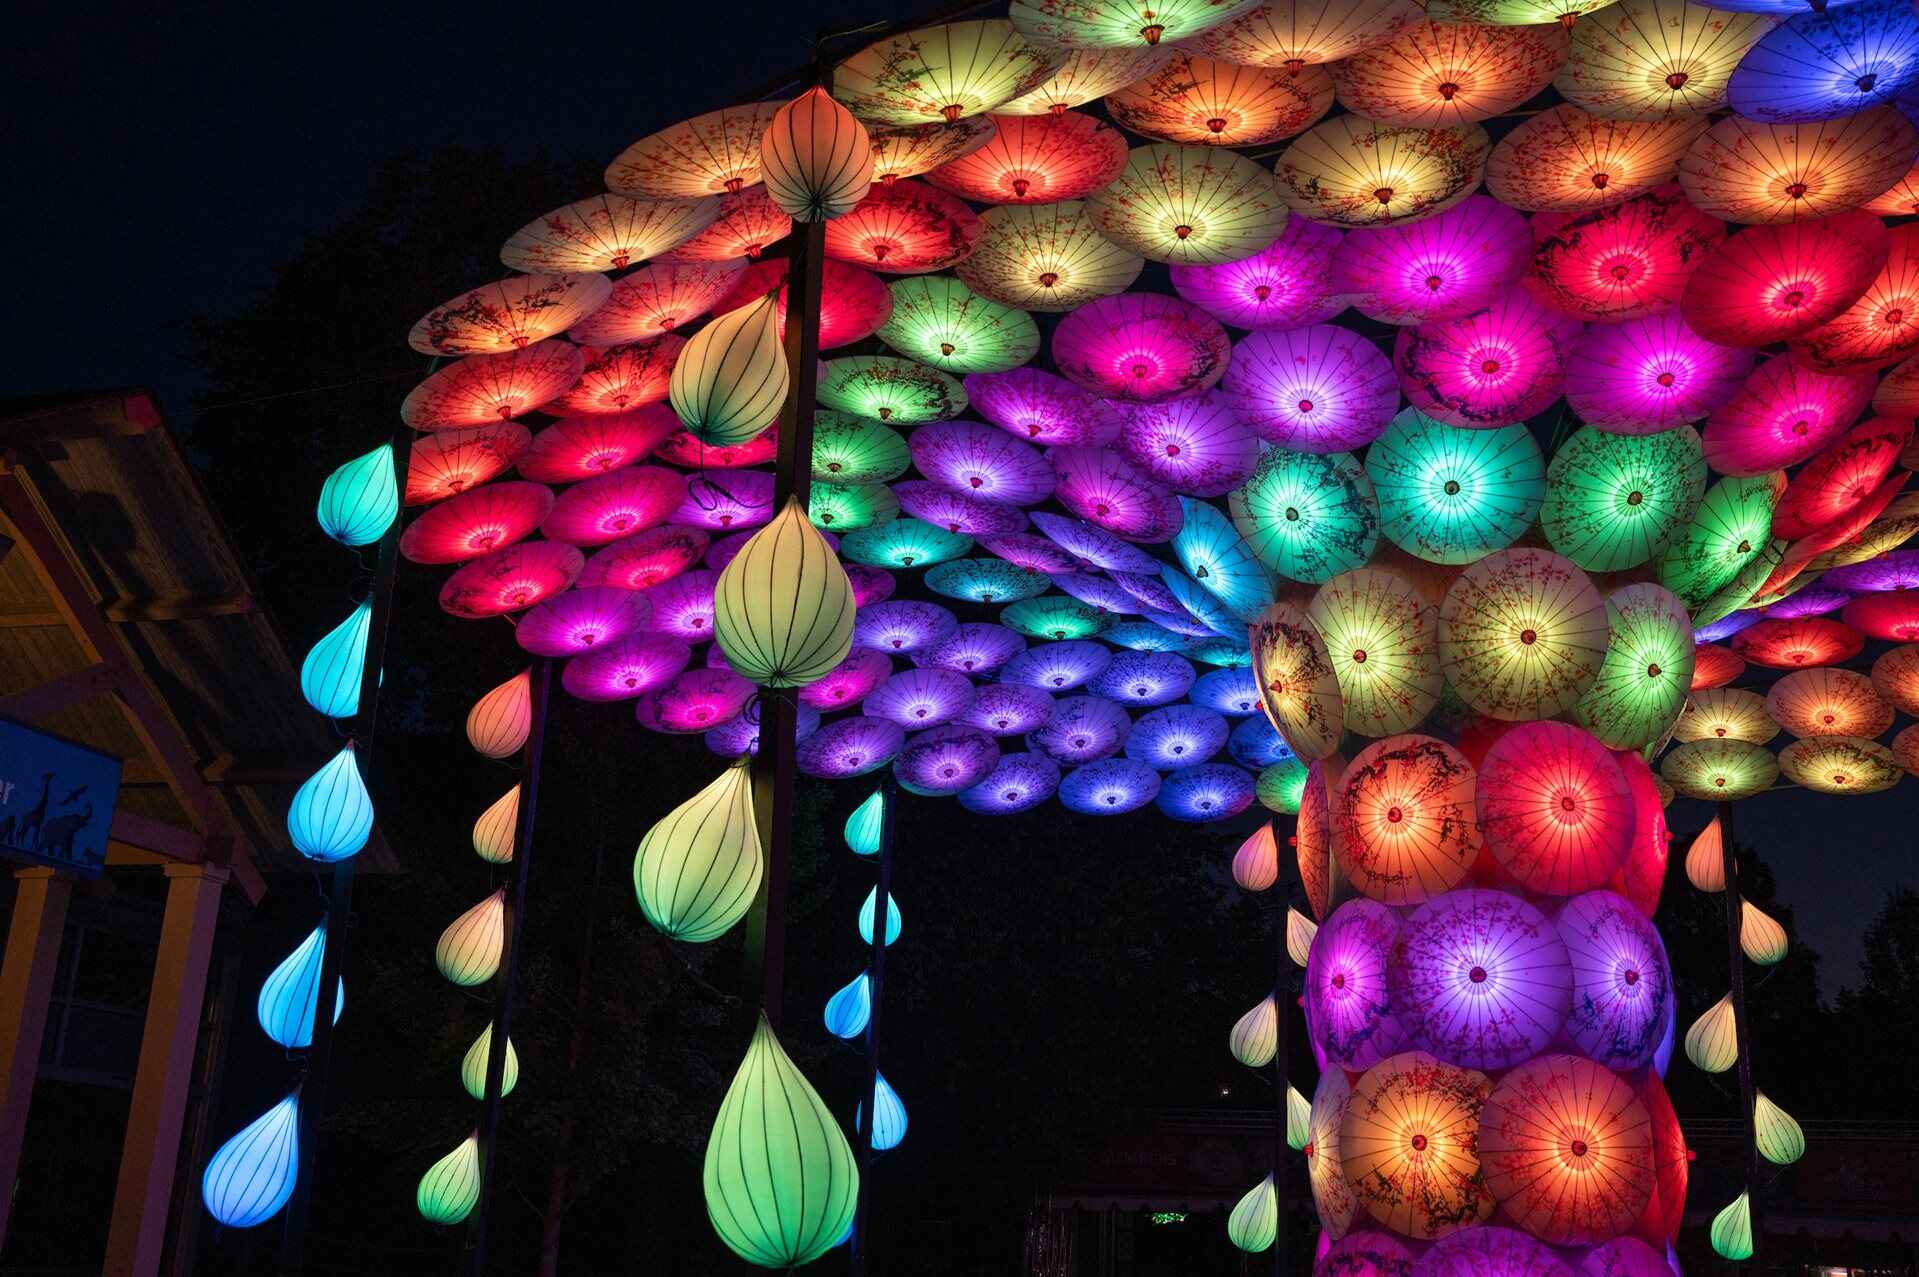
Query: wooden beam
{"points": [[35, 703], [177, 607], [149, 834], [101, 417], [31, 620]]}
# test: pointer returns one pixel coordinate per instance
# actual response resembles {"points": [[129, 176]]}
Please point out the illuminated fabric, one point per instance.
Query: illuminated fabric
{"points": [[1382, 638], [1480, 979], [1436, 75], [1196, 101], [1350, 171], [1407, 1145], [1404, 828], [1449, 495]]}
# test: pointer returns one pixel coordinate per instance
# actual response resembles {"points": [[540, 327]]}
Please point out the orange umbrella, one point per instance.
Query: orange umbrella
{"points": [[1036, 159], [481, 389], [1657, 59], [904, 228], [1435, 75], [1194, 100], [943, 73], [1828, 702], [607, 232], [1905, 749], [1840, 765], [1048, 257], [1332, 1195], [1351, 171], [1297, 679], [748, 223], [1714, 666], [1408, 1145], [657, 299], [1896, 676], [913, 149], [448, 462], [1567, 1148], [1298, 33], [1555, 808], [622, 378], [1745, 171], [1403, 823], [509, 315], [1566, 159], [1880, 328], [1313, 832], [708, 154]]}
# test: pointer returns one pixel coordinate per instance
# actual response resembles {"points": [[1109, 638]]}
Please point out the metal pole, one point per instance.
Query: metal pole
{"points": [[773, 769], [882, 897], [1742, 1024], [506, 983], [338, 919], [1282, 1049]]}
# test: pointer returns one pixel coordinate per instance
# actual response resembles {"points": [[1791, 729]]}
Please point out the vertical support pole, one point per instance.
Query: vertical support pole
{"points": [[882, 897], [26, 989], [1742, 1023], [773, 767], [1282, 1051], [506, 983], [339, 912], [144, 1191]]}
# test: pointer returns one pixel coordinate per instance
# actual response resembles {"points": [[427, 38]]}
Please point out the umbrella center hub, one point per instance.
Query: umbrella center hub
{"points": [[1529, 637], [1796, 190], [976, 482], [1677, 80], [1216, 125], [1452, 487], [1634, 498], [1339, 981], [1600, 180], [952, 111], [1666, 379], [1631, 976], [1567, 804], [1152, 31], [1477, 975], [1434, 283], [1172, 450], [946, 348], [1048, 278], [1489, 365], [1262, 291], [1448, 90], [1305, 405], [1292, 514], [1652, 670], [1182, 230], [1359, 658], [1383, 194], [1866, 82], [1579, 1148], [1419, 1143], [1021, 185], [1394, 815]]}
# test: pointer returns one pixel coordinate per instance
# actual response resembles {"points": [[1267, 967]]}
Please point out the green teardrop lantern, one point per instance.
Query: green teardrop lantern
{"points": [[473, 1066], [1732, 1230], [697, 870], [1254, 1223], [451, 1186], [1450, 495]]}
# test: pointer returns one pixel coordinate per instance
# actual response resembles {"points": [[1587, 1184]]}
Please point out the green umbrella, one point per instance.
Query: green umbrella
{"points": [[1450, 495], [1307, 517], [1279, 787], [1055, 617], [1614, 501], [1642, 684], [941, 322], [849, 449], [841, 507], [986, 581], [1745, 584], [883, 388], [1732, 527], [1720, 770], [904, 543]]}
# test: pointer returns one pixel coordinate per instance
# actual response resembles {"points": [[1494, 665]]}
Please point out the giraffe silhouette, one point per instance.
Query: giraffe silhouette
{"points": [[27, 832]]}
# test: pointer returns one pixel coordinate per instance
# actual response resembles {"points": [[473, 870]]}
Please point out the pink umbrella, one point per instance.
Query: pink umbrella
{"points": [[627, 668], [476, 522], [696, 701], [849, 682], [1036, 405], [1781, 414], [1349, 1010], [576, 448], [1289, 284], [1480, 979], [1440, 268], [580, 620], [1141, 347], [957, 511], [1104, 488], [1772, 283], [1621, 982], [683, 606], [977, 460], [1554, 808], [1648, 375], [1197, 446], [616, 505], [646, 559], [1491, 368], [510, 579], [1621, 262], [1319, 389]]}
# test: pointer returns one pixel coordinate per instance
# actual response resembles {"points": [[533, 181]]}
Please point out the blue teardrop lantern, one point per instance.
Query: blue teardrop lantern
{"points": [[848, 1010], [288, 997], [252, 1175], [892, 916], [332, 816], [360, 500], [889, 1116], [863, 826], [330, 675]]}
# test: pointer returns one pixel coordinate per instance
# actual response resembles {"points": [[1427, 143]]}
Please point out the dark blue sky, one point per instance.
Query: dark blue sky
{"points": [[161, 159]]}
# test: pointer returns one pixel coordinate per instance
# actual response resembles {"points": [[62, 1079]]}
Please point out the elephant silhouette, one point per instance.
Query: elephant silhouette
{"points": [[56, 836]]}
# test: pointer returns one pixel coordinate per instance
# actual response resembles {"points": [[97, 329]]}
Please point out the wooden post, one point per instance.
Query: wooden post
{"points": [[26, 989], [1741, 1022], [1282, 1045], [774, 772], [882, 897], [167, 1046], [506, 983], [339, 912]]}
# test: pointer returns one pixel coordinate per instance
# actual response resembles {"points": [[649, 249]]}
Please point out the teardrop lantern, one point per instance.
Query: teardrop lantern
{"points": [[696, 870], [783, 608], [360, 500], [731, 377], [815, 158]]}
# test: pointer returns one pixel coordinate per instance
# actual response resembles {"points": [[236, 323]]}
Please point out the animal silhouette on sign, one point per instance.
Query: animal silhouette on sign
{"points": [[56, 837], [27, 832]]}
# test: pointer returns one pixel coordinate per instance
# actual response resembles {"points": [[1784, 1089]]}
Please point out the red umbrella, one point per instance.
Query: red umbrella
{"points": [[748, 223], [1555, 809], [1714, 666], [1798, 643], [1882, 326], [853, 303], [622, 378], [657, 299], [1782, 414], [1671, 1159], [1893, 614], [448, 462], [482, 389], [1036, 159], [1491, 368], [615, 505], [576, 448], [1403, 820], [904, 228], [1840, 479], [645, 559], [1312, 833], [1772, 283], [477, 522], [1623, 261], [510, 579]]}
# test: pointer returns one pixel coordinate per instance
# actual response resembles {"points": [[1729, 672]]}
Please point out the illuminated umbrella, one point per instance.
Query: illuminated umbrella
{"points": [[1141, 347], [708, 154], [849, 507], [1783, 414], [1307, 517], [912, 150], [1892, 615], [1196, 445], [1642, 684], [1205, 791], [1840, 765], [626, 668], [1892, 529], [1814, 600], [1351, 171], [904, 626], [898, 391], [1441, 267], [1893, 570], [580, 620], [1829, 62], [584, 447], [944, 323], [1622, 261], [1842, 478], [482, 389], [1491, 1251], [1105, 489], [1094, 545], [1201, 605], [1494, 367], [904, 227], [943, 73], [1019, 783], [1798, 644], [1648, 375], [1408, 1145], [646, 559], [855, 450], [477, 522], [1434, 75], [849, 747], [1191, 205], [1714, 667], [508, 315], [1109, 787], [1332, 1194], [1209, 548], [1773, 283], [1719, 770], [1905, 749], [1566, 1147], [1480, 979], [1008, 709], [1312, 837], [973, 648], [1029, 550], [1403, 825], [1522, 634], [920, 698], [1614, 501], [1298, 682], [1048, 257], [1036, 160], [1105, 24], [606, 232], [448, 462], [683, 605], [1088, 75], [1643, 876], [1175, 736], [1383, 640], [1726, 713], [615, 505], [1513, 12], [1279, 786], [1564, 158], [977, 460], [1555, 809], [683, 449], [854, 303], [1656, 59], [1196, 101], [1621, 982], [985, 581], [849, 682], [747, 224], [1828, 702], [726, 500], [1450, 495], [1298, 33], [693, 702], [1289, 284], [1082, 729], [1254, 743], [1053, 617], [1348, 1005], [623, 378], [1031, 404], [1745, 171], [742, 735], [1235, 693], [510, 579], [1732, 527], [1317, 389]]}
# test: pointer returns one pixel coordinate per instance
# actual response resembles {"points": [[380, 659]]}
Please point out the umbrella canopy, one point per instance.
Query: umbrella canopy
{"points": [[1891, 615], [1731, 529], [1086, 76], [1840, 765], [1317, 389], [897, 391], [849, 682], [509, 315], [1408, 1147], [1176, 736], [1288, 284], [904, 227], [1449, 495], [848, 747], [1714, 666], [706, 155], [1774, 283], [1614, 501], [1102, 24], [1018, 783], [1191, 205], [1829, 62], [747, 224], [448, 462], [627, 668], [1555, 809], [1196, 101], [1522, 634], [1491, 1251], [606, 232], [854, 303], [1351, 171], [1493, 367], [855, 450], [1221, 562], [1060, 666], [1036, 159], [510, 579], [1622, 261], [1642, 684], [1141, 348], [1403, 824], [1438, 74], [977, 460], [1648, 375], [1621, 982], [1564, 158], [1481, 979], [944, 73], [945, 760], [1298, 681], [1747, 171], [1105, 489], [1842, 478], [1442, 267], [482, 389], [1798, 644], [1307, 517], [1048, 257], [911, 150], [985, 581], [1783, 413], [646, 559], [1719, 770], [1333, 1198], [1382, 637], [1828, 702], [1348, 1000], [1195, 445], [478, 522], [1297, 33], [1110, 787], [1656, 59], [658, 298]]}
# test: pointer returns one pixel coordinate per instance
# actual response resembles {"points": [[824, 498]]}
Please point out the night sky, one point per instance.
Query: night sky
{"points": [[160, 161]]}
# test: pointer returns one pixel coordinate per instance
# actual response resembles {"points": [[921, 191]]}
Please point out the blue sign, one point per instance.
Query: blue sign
{"points": [[56, 799]]}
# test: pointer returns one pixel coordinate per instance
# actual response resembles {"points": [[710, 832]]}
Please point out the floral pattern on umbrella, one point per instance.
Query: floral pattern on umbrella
{"points": [[1403, 823], [1480, 979], [1408, 1145]]}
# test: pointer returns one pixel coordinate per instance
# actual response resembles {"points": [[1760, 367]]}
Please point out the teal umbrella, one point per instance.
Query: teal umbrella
{"points": [[1215, 555], [1450, 495], [1308, 517]]}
